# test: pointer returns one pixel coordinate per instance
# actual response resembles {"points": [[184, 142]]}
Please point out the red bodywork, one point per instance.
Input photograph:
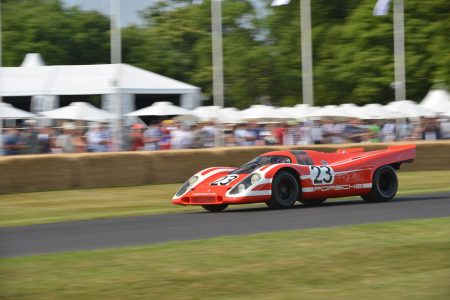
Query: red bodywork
{"points": [[347, 172]]}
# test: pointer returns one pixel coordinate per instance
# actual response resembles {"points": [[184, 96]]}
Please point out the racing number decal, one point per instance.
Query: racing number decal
{"points": [[321, 174], [225, 180]]}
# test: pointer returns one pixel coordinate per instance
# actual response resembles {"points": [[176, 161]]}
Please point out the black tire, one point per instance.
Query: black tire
{"points": [[384, 185], [285, 191], [312, 202], [215, 207]]}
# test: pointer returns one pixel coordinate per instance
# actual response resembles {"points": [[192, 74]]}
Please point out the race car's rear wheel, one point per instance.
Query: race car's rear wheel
{"points": [[384, 185], [215, 207], [285, 191], [312, 202]]}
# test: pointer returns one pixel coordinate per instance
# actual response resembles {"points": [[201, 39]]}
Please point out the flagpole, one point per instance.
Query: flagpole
{"points": [[399, 51], [1, 74], [306, 45], [217, 63], [116, 58], [217, 55]]}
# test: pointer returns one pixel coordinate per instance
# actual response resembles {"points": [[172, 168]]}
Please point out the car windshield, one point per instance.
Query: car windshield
{"points": [[261, 161]]}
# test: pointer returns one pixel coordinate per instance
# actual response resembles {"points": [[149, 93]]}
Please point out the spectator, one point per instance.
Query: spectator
{"points": [[165, 141], [79, 141], [445, 128], [137, 137], [199, 136], [45, 140], [229, 135], [403, 129], [354, 131], [279, 132], [211, 133], [98, 138], [431, 131], [338, 133], [29, 136], [328, 131], [12, 143], [152, 136], [388, 131], [374, 131], [242, 137], [305, 134], [291, 134], [316, 133], [181, 137], [64, 142]]}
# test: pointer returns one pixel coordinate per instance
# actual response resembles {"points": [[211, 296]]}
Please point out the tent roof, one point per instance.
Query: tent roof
{"points": [[78, 111], [409, 109], [87, 79], [437, 101], [33, 60], [7, 111], [162, 108]]}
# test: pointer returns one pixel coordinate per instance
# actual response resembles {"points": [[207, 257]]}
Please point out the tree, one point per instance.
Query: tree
{"points": [[62, 35], [176, 42]]}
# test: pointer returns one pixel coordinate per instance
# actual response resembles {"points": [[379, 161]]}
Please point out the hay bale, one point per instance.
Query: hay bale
{"points": [[30, 173], [113, 169], [33, 173]]}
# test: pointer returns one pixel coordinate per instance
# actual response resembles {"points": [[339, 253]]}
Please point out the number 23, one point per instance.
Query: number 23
{"points": [[322, 174]]}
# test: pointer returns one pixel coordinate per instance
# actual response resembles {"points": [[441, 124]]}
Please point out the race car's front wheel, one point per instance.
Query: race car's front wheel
{"points": [[285, 191], [384, 185], [215, 207]]}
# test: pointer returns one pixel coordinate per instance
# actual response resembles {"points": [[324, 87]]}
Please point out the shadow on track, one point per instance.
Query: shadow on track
{"points": [[334, 202]]}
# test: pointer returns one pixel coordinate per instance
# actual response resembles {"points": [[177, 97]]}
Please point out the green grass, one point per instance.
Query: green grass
{"points": [[396, 260], [57, 206]]}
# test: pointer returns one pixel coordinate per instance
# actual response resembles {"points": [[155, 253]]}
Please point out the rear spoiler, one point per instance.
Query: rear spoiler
{"points": [[398, 147], [350, 150]]}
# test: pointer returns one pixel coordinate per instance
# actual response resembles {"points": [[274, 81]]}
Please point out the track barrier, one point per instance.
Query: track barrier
{"points": [[34, 173]]}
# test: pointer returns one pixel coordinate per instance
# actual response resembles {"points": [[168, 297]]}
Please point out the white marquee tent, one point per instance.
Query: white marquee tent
{"points": [[33, 78], [409, 109], [332, 111], [378, 111], [261, 112], [437, 101], [78, 111], [162, 108], [7, 111]]}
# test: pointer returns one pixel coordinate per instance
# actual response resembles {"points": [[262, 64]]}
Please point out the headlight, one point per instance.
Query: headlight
{"points": [[193, 180], [187, 185], [255, 178], [246, 183]]}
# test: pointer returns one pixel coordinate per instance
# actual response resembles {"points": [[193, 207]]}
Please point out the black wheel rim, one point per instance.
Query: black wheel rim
{"points": [[286, 191], [386, 184]]}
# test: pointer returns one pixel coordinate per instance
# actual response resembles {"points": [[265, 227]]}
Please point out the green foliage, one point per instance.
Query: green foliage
{"points": [[62, 35], [394, 260], [352, 50]]}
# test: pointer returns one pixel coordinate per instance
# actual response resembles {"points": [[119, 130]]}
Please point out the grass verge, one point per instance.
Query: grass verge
{"points": [[396, 260], [58, 206]]}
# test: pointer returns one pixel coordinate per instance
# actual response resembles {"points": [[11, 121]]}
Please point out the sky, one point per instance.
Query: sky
{"points": [[129, 8]]}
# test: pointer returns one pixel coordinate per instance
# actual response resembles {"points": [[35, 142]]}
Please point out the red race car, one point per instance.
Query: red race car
{"points": [[281, 178]]}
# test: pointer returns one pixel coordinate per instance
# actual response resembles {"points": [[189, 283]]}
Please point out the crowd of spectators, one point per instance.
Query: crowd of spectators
{"points": [[171, 134]]}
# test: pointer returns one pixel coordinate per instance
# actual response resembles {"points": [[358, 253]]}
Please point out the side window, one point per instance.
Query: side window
{"points": [[303, 158]]}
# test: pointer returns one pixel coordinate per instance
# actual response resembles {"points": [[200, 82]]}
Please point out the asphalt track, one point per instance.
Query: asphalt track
{"points": [[132, 231]]}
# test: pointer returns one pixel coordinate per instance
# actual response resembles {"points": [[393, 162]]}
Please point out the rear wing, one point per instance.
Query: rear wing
{"points": [[408, 152], [398, 147]]}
